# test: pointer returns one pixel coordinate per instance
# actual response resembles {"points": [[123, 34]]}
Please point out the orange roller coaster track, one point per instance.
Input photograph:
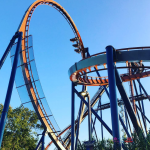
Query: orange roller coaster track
{"points": [[24, 27]]}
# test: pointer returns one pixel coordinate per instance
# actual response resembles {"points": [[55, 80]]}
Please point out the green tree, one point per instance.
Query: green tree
{"points": [[20, 130]]}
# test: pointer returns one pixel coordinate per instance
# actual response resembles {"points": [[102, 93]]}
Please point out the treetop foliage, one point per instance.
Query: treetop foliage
{"points": [[20, 130]]}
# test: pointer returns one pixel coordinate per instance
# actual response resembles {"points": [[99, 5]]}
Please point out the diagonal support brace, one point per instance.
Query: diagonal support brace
{"points": [[10, 87]]}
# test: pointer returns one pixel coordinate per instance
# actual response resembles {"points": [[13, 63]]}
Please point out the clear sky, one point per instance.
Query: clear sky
{"points": [[119, 23]]}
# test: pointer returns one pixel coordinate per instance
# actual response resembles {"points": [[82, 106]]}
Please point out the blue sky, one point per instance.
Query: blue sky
{"points": [[100, 23]]}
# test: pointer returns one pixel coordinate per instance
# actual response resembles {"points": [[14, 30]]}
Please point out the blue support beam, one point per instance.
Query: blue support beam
{"points": [[141, 87], [124, 127], [84, 88], [99, 105], [101, 124], [38, 145], [126, 117], [143, 114], [94, 121], [78, 124], [127, 102], [41, 141], [10, 87], [144, 121], [89, 144], [94, 130], [89, 119], [97, 112], [72, 117], [113, 96], [8, 50]]}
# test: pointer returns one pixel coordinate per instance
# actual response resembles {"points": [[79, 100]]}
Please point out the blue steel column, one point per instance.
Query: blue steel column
{"points": [[78, 124], [7, 50], [89, 144], [127, 103], [113, 97], [84, 88], [38, 145], [102, 118], [43, 142], [141, 86], [143, 114], [89, 119], [72, 118], [126, 117], [144, 121], [10, 87]]}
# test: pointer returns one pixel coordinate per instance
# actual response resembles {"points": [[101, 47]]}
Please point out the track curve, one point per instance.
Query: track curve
{"points": [[136, 54], [31, 87]]}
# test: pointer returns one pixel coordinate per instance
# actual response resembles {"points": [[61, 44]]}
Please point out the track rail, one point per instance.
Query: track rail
{"points": [[31, 87], [136, 54]]}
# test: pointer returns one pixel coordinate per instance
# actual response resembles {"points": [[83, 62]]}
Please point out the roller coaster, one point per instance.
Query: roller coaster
{"points": [[30, 91]]}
